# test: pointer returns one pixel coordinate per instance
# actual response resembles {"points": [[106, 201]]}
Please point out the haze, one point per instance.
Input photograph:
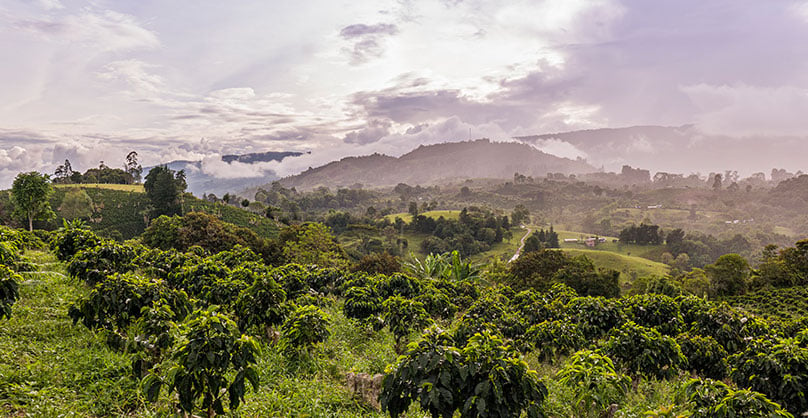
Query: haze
{"points": [[192, 80]]}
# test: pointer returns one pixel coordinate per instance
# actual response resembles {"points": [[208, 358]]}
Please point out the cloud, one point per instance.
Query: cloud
{"points": [[743, 110], [367, 40], [559, 148], [361, 30], [375, 130], [107, 31]]}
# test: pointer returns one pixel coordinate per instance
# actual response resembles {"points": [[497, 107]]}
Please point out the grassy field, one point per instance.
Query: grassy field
{"points": [[406, 217], [627, 265], [50, 367], [137, 188]]}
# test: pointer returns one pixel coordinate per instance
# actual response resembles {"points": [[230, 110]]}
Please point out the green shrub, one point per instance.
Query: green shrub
{"points": [[261, 304], [704, 354], [213, 363], [403, 316], [69, 241], [552, 339], [305, 327], [93, 265], [118, 301], [778, 369], [595, 315], [644, 351], [594, 381], [9, 290], [484, 379], [654, 311]]}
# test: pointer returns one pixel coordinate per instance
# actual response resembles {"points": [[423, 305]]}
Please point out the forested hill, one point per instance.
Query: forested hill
{"points": [[438, 163]]}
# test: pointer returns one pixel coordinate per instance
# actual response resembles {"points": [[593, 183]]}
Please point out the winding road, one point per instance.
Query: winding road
{"points": [[521, 244]]}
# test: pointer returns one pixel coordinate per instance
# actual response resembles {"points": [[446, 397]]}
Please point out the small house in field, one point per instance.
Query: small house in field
{"points": [[570, 240], [591, 241]]}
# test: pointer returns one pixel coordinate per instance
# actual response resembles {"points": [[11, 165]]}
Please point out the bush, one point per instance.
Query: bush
{"points": [[594, 381], [714, 399], [595, 315], [214, 361], [305, 327], [654, 311], [69, 241], [704, 354], [551, 340], [94, 264], [484, 379], [644, 351], [9, 290], [118, 301], [261, 304], [778, 369], [403, 316]]}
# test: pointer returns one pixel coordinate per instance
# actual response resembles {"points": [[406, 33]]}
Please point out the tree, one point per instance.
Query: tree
{"points": [[76, 204], [64, 172], [520, 215], [132, 167], [29, 194], [717, 182], [164, 188], [728, 275]]}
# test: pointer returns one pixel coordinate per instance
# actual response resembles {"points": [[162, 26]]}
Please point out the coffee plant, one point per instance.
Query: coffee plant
{"points": [[93, 265], [212, 363], [9, 290], [705, 356], [644, 351], [261, 305], [305, 327], [553, 339], [403, 316], [595, 382]]}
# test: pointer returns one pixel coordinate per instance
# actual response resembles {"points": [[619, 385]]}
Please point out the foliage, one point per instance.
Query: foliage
{"points": [[164, 189], [70, 239], [778, 369], [378, 263], [443, 266], [214, 359], [403, 316], [536, 269], [580, 274], [305, 327], [486, 378], [729, 327], [644, 351], [704, 354], [312, 244], [553, 339], [654, 311], [728, 275], [594, 381], [714, 399], [29, 194], [261, 304], [76, 204], [9, 290], [644, 234], [94, 264], [595, 315], [119, 300]]}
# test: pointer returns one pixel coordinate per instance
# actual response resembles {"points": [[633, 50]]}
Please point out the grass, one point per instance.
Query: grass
{"points": [[137, 188], [406, 217], [629, 266], [50, 367]]}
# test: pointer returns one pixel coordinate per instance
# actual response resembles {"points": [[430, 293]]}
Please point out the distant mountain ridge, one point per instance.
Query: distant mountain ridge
{"points": [[430, 164], [682, 149], [200, 183]]}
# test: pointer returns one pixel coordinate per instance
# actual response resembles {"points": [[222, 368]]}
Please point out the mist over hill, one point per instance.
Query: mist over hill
{"points": [[228, 173], [438, 163], [683, 149]]}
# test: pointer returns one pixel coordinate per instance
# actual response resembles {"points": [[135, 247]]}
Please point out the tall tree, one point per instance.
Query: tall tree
{"points": [[132, 167], [164, 188], [29, 194]]}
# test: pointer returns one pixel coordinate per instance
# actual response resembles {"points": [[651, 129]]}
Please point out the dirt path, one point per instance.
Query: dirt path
{"points": [[521, 245]]}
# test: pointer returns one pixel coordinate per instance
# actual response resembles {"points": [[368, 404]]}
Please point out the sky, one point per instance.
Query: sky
{"points": [[90, 81]]}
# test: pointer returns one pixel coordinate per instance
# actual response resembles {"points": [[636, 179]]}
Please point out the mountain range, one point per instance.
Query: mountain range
{"points": [[430, 164]]}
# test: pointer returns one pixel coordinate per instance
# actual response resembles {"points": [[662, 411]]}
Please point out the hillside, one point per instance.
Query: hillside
{"points": [[432, 164]]}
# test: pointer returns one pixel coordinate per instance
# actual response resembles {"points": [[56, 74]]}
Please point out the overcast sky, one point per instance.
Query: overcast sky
{"points": [[93, 80]]}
